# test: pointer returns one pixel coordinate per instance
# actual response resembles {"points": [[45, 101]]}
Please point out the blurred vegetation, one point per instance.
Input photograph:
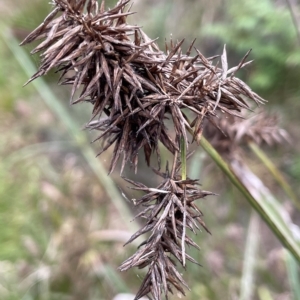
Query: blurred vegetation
{"points": [[61, 234]]}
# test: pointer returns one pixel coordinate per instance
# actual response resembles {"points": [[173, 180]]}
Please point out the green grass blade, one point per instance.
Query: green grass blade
{"points": [[276, 173], [251, 248], [266, 210], [291, 263]]}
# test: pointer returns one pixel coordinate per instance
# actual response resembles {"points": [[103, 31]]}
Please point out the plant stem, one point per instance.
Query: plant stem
{"points": [[276, 173], [274, 221], [183, 158], [251, 249], [183, 177]]}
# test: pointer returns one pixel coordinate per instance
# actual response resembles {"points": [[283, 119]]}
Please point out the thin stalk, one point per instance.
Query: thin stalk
{"points": [[247, 281], [183, 229], [291, 264], [183, 177], [274, 221], [276, 173], [183, 158]]}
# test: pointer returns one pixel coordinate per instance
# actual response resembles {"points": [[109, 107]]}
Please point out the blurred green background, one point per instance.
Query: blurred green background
{"points": [[63, 222]]}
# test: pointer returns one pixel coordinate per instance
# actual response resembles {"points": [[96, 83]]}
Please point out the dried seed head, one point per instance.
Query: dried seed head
{"points": [[168, 211], [229, 134], [132, 85], [136, 91]]}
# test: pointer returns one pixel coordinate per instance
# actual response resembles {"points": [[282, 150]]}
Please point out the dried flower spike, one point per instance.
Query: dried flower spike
{"points": [[138, 92], [169, 210], [132, 85]]}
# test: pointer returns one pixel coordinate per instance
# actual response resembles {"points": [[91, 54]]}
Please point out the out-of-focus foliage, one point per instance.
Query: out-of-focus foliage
{"points": [[54, 215], [266, 27]]}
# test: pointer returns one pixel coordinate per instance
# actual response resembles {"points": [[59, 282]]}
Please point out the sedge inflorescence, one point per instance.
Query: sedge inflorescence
{"points": [[138, 92]]}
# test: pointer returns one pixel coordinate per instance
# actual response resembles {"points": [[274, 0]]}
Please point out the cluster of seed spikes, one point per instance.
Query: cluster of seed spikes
{"points": [[169, 210], [138, 92], [260, 128]]}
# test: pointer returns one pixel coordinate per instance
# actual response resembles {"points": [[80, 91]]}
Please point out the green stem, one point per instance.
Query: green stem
{"points": [[276, 173], [249, 261], [183, 177], [275, 222]]}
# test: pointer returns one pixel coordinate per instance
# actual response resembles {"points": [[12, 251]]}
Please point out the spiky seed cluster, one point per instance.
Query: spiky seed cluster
{"points": [[168, 210], [260, 128], [132, 85], [137, 91]]}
